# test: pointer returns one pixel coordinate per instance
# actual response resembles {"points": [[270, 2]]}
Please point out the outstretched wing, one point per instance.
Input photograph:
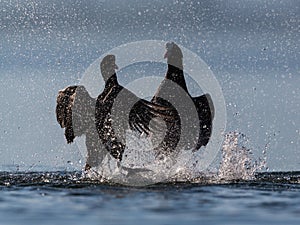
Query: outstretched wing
{"points": [[144, 111], [205, 110], [64, 103]]}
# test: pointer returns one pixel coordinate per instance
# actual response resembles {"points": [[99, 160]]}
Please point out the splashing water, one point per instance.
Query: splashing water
{"points": [[237, 162], [141, 167]]}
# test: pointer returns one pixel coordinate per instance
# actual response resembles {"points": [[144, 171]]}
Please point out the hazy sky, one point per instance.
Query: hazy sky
{"points": [[251, 46]]}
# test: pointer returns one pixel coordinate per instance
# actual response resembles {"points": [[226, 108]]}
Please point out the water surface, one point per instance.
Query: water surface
{"points": [[68, 198]]}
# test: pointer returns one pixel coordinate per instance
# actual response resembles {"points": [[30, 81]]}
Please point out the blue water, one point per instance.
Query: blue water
{"points": [[66, 198]]}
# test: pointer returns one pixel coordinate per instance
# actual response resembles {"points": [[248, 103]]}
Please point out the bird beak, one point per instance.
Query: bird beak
{"points": [[116, 67]]}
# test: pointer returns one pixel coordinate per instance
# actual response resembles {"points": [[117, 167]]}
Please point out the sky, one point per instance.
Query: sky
{"points": [[252, 47]]}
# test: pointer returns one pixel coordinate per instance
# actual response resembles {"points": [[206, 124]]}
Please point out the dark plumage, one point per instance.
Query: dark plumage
{"points": [[203, 104], [64, 103], [105, 120], [118, 109], [75, 111]]}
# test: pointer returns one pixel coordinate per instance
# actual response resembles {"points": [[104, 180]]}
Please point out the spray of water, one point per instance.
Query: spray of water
{"points": [[237, 160], [141, 166]]}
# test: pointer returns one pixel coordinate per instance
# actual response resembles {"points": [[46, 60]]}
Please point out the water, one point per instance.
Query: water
{"points": [[65, 198], [235, 194]]}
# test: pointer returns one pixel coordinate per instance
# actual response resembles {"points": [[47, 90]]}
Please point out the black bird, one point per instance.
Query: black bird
{"points": [[118, 109], [203, 103], [105, 120]]}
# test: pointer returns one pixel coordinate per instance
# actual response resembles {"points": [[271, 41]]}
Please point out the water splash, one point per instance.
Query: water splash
{"points": [[237, 160], [141, 167]]}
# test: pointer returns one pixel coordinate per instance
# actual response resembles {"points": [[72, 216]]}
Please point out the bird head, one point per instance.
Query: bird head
{"points": [[108, 66], [173, 55]]}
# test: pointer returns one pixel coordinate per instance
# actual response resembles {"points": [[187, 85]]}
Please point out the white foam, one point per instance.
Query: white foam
{"points": [[141, 167], [237, 160]]}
